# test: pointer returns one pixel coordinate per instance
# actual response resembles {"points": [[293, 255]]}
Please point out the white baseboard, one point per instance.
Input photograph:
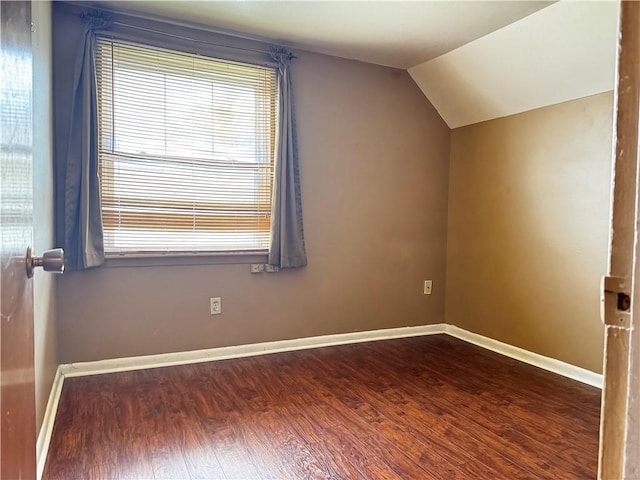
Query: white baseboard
{"points": [[223, 353], [44, 436], [546, 363]]}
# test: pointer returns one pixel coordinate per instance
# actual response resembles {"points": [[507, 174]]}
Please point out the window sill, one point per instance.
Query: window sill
{"points": [[177, 259]]}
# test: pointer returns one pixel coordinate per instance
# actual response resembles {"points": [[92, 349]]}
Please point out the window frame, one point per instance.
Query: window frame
{"points": [[200, 256]]}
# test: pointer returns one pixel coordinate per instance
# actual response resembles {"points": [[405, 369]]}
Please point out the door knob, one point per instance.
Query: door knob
{"points": [[50, 261]]}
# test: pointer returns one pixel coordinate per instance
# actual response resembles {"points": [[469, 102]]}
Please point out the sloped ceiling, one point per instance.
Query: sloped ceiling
{"points": [[395, 33], [474, 60], [560, 53]]}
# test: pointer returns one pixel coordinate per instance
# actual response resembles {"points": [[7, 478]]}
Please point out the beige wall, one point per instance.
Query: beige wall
{"points": [[528, 226], [44, 283], [374, 164]]}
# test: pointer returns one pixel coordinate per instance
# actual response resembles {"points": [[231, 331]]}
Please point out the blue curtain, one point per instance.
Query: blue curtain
{"points": [[287, 248], [78, 215], [80, 194]]}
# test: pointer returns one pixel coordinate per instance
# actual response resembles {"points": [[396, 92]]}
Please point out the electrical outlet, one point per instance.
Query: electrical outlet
{"points": [[256, 268], [216, 305], [263, 267], [427, 287]]}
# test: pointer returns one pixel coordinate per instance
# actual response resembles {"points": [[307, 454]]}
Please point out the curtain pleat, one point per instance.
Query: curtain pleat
{"points": [[287, 248], [83, 239]]}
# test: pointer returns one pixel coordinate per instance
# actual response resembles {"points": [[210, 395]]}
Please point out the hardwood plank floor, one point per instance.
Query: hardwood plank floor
{"points": [[429, 407]]}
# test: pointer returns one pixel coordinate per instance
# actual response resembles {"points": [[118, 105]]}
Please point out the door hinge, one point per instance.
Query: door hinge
{"points": [[615, 301]]}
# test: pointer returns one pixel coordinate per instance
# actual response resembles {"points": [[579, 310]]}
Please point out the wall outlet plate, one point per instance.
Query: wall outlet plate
{"points": [[216, 305]]}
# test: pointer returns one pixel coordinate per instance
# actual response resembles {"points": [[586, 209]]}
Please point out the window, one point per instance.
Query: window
{"points": [[186, 151]]}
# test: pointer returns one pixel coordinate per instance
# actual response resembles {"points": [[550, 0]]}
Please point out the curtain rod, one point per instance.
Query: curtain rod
{"points": [[182, 37], [123, 12]]}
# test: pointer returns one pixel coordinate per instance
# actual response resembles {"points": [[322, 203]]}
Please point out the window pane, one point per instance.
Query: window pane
{"points": [[186, 150]]}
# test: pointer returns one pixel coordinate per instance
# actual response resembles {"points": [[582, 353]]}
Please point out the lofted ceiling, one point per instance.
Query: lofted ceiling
{"points": [[563, 52], [474, 60], [395, 33]]}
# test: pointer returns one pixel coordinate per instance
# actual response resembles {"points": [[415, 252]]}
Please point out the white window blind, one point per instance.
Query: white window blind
{"points": [[186, 150]]}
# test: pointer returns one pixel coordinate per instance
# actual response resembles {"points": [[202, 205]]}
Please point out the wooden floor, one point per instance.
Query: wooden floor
{"points": [[418, 408]]}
